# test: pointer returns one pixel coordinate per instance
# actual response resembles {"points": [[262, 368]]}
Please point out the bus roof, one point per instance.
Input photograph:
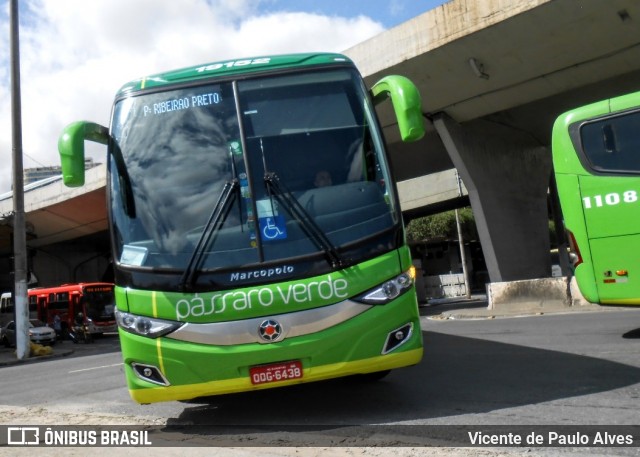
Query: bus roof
{"points": [[69, 287], [232, 67]]}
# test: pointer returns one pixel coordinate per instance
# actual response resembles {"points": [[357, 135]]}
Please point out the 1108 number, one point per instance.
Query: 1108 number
{"points": [[612, 199]]}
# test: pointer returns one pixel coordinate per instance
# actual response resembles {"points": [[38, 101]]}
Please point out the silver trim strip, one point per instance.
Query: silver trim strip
{"points": [[246, 331]]}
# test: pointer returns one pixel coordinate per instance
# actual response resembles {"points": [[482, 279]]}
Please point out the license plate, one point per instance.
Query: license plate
{"points": [[276, 372]]}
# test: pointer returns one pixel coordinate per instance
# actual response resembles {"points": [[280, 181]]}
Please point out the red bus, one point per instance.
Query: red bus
{"points": [[95, 301]]}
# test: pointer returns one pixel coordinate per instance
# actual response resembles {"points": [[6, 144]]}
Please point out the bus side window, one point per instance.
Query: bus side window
{"points": [[613, 144], [6, 309]]}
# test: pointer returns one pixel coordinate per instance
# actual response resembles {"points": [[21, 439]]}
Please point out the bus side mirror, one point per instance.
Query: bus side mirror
{"points": [[406, 104], [71, 149]]}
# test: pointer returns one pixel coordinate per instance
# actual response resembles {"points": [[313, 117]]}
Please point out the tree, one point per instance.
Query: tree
{"points": [[443, 226]]}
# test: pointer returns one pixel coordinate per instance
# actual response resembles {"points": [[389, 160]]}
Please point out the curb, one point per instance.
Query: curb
{"points": [[485, 313], [9, 358]]}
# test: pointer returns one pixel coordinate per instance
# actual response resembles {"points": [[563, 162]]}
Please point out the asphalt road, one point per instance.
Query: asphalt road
{"points": [[551, 370]]}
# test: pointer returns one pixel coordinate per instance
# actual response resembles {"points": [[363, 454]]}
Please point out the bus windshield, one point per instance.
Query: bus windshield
{"points": [[99, 303], [238, 173]]}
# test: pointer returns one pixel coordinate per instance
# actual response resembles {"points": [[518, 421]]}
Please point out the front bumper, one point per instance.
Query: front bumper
{"points": [[193, 370]]}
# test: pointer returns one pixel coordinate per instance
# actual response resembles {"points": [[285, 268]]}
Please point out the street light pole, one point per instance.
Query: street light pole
{"points": [[463, 256], [19, 236]]}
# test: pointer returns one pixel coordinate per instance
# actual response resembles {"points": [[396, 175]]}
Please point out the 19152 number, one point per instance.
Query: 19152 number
{"points": [[234, 63]]}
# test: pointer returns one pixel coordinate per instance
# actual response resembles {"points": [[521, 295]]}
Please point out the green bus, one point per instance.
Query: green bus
{"points": [[596, 159], [256, 231]]}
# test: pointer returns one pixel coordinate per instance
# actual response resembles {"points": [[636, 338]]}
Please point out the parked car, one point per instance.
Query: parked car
{"points": [[38, 333]]}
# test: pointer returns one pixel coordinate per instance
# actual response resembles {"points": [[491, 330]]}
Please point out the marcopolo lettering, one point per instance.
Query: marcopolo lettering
{"points": [[262, 273], [241, 300]]}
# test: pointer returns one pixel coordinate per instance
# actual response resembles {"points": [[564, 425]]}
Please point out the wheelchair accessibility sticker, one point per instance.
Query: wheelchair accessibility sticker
{"points": [[273, 228]]}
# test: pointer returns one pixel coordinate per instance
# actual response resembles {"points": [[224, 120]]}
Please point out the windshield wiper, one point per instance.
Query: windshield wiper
{"points": [[286, 198], [216, 220]]}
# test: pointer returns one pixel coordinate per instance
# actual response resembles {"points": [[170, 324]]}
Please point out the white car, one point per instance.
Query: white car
{"points": [[38, 333]]}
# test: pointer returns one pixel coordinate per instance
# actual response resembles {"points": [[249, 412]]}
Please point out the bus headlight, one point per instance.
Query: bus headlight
{"points": [[145, 326], [387, 291]]}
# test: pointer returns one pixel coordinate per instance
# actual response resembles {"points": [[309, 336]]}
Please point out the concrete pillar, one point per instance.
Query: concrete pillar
{"points": [[506, 173]]}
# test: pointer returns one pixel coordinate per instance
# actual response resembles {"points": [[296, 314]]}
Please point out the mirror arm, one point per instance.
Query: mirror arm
{"points": [[406, 104], [71, 149]]}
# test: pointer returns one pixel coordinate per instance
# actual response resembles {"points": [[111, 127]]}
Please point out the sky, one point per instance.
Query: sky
{"points": [[75, 54]]}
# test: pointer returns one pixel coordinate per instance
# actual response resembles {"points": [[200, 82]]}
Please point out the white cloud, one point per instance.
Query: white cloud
{"points": [[76, 54]]}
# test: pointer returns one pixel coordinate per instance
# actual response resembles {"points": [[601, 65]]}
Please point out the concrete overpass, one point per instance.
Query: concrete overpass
{"points": [[493, 76], [67, 234]]}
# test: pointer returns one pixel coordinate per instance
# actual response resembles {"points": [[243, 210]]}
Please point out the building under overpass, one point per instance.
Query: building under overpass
{"points": [[67, 235], [493, 76]]}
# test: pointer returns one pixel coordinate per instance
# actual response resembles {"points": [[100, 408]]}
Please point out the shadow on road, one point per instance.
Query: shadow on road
{"points": [[632, 334], [492, 376], [435, 307]]}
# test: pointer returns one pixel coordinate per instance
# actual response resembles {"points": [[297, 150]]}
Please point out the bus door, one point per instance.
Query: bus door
{"points": [[35, 311], [611, 203], [41, 304], [58, 303], [77, 307]]}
